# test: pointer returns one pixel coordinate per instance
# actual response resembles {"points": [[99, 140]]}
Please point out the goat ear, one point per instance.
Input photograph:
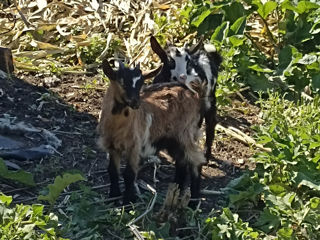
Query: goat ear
{"points": [[158, 49], [108, 71], [196, 46], [138, 66], [152, 73]]}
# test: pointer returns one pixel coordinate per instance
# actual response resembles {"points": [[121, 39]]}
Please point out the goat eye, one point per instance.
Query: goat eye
{"points": [[139, 83], [189, 68], [190, 63], [175, 78], [172, 63], [178, 53]]}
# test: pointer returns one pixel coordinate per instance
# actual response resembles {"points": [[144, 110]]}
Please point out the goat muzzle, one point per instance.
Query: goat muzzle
{"points": [[134, 104]]}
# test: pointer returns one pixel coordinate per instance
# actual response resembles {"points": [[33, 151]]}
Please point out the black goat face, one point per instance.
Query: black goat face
{"points": [[177, 62], [181, 59], [130, 81]]}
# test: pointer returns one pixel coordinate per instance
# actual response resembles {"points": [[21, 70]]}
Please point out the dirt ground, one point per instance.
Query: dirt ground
{"points": [[71, 111]]}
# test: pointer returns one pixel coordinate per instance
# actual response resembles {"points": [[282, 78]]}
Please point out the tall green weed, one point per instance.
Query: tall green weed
{"points": [[284, 189], [291, 63], [26, 221]]}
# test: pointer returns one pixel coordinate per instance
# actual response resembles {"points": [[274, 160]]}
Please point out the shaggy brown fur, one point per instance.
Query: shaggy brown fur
{"points": [[134, 126], [172, 112]]}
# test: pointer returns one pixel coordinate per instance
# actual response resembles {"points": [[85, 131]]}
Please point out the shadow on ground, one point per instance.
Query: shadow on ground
{"points": [[22, 101]]}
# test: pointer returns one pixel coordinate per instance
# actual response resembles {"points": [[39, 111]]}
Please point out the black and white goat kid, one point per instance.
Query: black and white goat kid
{"points": [[199, 63], [137, 123]]}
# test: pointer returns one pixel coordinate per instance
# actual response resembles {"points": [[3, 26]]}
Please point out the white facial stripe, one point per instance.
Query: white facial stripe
{"points": [[135, 80]]}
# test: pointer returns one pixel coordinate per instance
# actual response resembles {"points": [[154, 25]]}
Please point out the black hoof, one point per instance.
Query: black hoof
{"points": [[114, 193], [193, 204], [129, 197]]}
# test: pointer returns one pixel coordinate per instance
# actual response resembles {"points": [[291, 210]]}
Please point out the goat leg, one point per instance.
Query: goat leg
{"points": [[177, 153], [181, 173], [211, 121], [195, 185], [129, 176], [113, 170]]}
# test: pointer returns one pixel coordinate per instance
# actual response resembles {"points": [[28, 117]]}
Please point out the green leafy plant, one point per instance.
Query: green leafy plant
{"points": [[87, 215], [169, 29], [19, 176], [228, 226], [60, 183], [284, 187], [26, 221], [272, 46], [92, 51], [294, 61]]}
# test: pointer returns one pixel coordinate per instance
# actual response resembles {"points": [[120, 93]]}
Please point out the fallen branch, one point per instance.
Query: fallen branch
{"points": [[242, 137], [25, 200], [211, 192], [26, 22], [187, 228], [135, 231], [64, 132], [239, 93], [154, 192], [74, 72], [24, 188], [94, 88], [131, 225]]}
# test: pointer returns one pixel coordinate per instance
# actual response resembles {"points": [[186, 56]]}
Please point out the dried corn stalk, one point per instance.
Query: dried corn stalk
{"points": [[51, 31]]}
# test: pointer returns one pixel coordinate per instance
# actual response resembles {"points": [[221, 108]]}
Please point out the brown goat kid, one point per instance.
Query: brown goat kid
{"points": [[135, 124]]}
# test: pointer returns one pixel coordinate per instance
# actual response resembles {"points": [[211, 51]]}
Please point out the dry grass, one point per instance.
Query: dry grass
{"points": [[45, 34]]}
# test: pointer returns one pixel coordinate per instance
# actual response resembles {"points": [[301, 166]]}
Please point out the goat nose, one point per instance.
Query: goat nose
{"points": [[135, 103], [183, 77]]}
